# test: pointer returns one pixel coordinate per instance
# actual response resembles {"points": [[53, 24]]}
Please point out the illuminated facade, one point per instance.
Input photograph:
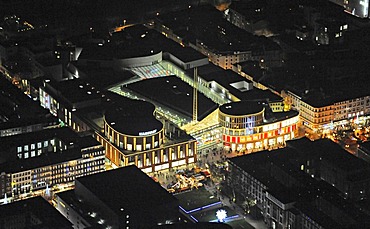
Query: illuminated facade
{"points": [[325, 115], [245, 126], [52, 157], [64, 99], [358, 8], [133, 136]]}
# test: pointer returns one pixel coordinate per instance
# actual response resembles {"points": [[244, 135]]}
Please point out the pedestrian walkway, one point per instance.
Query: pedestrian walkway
{"points": [[258, 224]]}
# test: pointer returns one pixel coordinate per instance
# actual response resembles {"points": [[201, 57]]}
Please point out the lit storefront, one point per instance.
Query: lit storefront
{"points": [[133, 136], [246, 128]]}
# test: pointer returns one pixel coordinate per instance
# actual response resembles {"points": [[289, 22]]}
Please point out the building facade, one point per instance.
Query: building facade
{"points": [[246, 128], [132, 135], [324, 116], [48, 162]]}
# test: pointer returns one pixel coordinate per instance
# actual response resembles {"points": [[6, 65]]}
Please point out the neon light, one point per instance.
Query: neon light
{"points": [[200, 208], [194, 218]]}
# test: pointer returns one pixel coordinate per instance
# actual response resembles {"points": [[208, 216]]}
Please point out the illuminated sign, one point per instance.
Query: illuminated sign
{"points": [[147, 132]]}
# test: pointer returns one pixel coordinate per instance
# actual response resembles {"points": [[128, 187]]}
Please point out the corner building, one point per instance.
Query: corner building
{"points": [[249, 125], [133, 136]]}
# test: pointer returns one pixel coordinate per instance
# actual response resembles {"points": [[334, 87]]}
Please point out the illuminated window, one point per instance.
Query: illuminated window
{"points": [[190, 152]]}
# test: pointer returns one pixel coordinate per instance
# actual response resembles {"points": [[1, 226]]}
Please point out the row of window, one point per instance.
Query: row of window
{"points": [[33, 146]]}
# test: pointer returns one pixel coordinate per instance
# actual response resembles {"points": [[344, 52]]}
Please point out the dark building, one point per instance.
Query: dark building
{"points": [[32, 213], [19, 113], [120, 198], [303, 185]]}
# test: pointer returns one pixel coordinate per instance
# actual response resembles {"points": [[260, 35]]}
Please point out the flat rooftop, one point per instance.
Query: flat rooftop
{"points": [[174, 93], [126, 187], [241, 108], [139, 41], [75, 91], [36, 207], [66, 134], [9, 161], [331, 152], [133, 117], [17, 109], [207, 25], [102, 77], [236, 84]]}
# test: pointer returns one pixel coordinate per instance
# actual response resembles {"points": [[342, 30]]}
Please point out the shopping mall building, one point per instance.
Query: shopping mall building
{"points": [[250, 125], [133, 135]]}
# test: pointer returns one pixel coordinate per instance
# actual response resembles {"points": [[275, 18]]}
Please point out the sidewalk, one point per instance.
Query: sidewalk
{"points": [[258, 224]]}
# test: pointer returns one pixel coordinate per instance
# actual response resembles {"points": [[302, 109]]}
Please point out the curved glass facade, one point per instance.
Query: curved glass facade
{"points": [[250, 132], [242, 124]]}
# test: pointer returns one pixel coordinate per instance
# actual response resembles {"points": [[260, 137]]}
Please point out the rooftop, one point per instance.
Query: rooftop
{"points": [[213, 31], [139, 41], [133, 117], [9, 161], [102, 77], [74, 91], [236, 84], [18, 109], [33, 208], [242, 108], [174, 93], [330, 152], [129, 188]]}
